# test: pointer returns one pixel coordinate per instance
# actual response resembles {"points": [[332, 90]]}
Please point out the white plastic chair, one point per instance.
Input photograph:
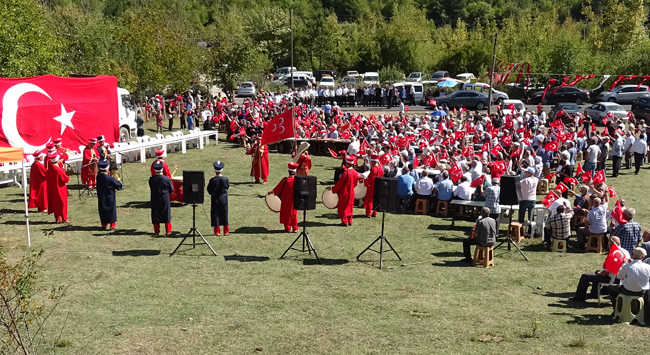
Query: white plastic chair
{"points": [[538, 222], [612, 278]]}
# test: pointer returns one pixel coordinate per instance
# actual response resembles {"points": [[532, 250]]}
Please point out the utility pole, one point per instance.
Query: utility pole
{"points": [[293, 104], [494, 61]]}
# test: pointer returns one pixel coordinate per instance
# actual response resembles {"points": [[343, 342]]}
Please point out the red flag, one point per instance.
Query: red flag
{"points": [[516, 153], [617, 213], [509, 124], [279, 128], [551, 146], [599, 177], [459, 134], [507, 140], [432, 102], [615, 259], [563, 188], [38, 109], [468, 151], [485, 147], [406, 109], [478, 181], [385, 159], [550, 176], [593, 127], [511, 107], [586, 176], [548, 86], [456, 176], [560, 114], [612, 193], [499, 165], [525, 141], [332, 153], [605, 132], [364, 145], [549, 199], [582, 133], [571, 180]]}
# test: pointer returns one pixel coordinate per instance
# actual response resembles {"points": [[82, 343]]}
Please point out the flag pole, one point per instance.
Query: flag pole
{"points": [[29, 239], [293, 104]]}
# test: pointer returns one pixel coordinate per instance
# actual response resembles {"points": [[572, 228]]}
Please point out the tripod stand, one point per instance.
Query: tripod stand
{"points": [[509, 239], [381, 239], [86, 189], [193, 232], [306, 242]]}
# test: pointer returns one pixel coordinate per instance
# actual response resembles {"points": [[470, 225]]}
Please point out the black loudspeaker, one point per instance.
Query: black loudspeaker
{"points": [[193, 186], [510, 190], [304, 192], [385, 199]]}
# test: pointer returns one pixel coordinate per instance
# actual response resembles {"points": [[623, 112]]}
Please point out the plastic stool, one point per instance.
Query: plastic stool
{"points": [[483, 256], [442, 208], [515, 232], [421, 206], [623, 310], [595, 243], [559, 245], [542, 187]]}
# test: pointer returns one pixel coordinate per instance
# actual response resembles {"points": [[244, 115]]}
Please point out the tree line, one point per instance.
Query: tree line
{"points": [[153, 45]]}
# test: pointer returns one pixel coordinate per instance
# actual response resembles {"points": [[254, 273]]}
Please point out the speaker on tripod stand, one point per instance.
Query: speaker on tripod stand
{"points": [[304, 198]]}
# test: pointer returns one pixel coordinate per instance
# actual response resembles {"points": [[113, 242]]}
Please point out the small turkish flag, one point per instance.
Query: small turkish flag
{"points": [[579, 169], [571, 180], [511, 107], [456, 176], [550, 176], [459, 134], [563, 188], [525, 141], [509, 124], [516, 153], [499, 165], [485, 147], [468, 151], [432, 102], [599, 177], [615, 259], [560, 114], [582, 133], [332, 153], [507, 140], [612, 193], [454, 169], [605, 132], [37, 110], [385, 159], [630, 114], [279, 128], [587, 175], [549, 199], [617, 213], [406, 109], [444, 154], [478, 181], [551, 146]]}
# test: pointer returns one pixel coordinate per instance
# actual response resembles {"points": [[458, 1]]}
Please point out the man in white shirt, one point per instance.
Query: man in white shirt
{"points": [[596, 221], [424, 186], [592, 156], [617, 154], [639, 148], [528, 190], [634, 276], [559, 202], [463, 190], [629, 141], [354, 146]]}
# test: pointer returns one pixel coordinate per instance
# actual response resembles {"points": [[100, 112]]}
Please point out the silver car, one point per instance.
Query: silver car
{"points": [[624, 94], [246, 89], [600, 109]]}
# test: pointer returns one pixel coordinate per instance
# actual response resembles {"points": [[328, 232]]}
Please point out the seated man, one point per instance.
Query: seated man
{"points": [[405, 184], [424, 186], [561, 201], [595, 279], [444, 189], [634, 276], [630, 232], [596, 222], [464, 191], [484, 234], [558, 226]]}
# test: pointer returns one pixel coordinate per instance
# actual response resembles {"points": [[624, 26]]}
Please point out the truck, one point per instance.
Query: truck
{"points": [[128, 126], [371, 78]]}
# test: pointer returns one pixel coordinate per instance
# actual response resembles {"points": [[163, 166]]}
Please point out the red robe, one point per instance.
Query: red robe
{"points": [[89, 173], [165, 169], [38, 186], [304, 165], [344, 188], [288, 214], [57, 192], [375, 172], [63, 156], [260, 162]]}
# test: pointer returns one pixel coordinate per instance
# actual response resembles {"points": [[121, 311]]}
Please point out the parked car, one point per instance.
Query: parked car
{"points": [[497, 96], [327, 81], [371, 78], [246, 89], [283, 71], [464, 98], [320, 73], [624, 94], [569, 108], [465, 77], [505, 104], [599, 110], [419, 89], [435, 77], [355, 74], [563, 94], [641, 107], [415, 76]]}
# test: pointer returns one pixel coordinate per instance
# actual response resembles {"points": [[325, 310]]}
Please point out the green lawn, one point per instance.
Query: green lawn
{"points": [[246, 299]]}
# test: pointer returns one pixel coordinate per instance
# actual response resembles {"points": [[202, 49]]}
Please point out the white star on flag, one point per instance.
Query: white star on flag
{"points": [[65, 118]]}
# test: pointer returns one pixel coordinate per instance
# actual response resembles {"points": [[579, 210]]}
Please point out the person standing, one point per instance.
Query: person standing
{"points": [[492, 195], [260, 164], [629, 142], [38, 183], [484, 234], [106, 187], [617, 154], [139, 123], [303, 160], [102, 149], [284, 190], [161, 186], [159, 121], [160, 158], [57, 190], [640, 149], [344, 188], [528, 193], [89, 164], [376, 171], [190, 121], [171, 112], [218, 190]]}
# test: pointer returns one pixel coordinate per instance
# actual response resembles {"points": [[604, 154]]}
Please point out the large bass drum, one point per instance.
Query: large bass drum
{"points": [[273, 202], [330, 199], [360, 190]]}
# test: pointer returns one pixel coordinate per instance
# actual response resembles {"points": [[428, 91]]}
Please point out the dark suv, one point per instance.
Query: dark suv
{"points": [[563, 94], [641, 107]]}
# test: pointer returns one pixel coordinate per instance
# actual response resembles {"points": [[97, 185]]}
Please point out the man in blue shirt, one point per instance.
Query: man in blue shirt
{"points": [[327, 108], [405, 184], [444, 189]]}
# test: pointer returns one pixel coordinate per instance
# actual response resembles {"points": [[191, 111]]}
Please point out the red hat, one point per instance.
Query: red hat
{"points": [[38, 154], [160, 153], [292, 166], [351, 159], [50, 147], [53, 157], [58, 141], [92, 140], [374, 157]]}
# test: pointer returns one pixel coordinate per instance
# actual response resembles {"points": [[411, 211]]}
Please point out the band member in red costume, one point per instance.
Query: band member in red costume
{"points": [[344, 188]]}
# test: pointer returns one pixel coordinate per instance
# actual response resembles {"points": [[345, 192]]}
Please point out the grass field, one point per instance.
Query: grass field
{"points": [[126, 294]]}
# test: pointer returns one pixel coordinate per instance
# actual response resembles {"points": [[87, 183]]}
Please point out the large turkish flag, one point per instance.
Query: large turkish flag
{"points": [[279, 128], [39, 109]]}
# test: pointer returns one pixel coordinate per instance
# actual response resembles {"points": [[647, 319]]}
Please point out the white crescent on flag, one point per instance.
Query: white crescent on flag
{"points": [[9, 112]]}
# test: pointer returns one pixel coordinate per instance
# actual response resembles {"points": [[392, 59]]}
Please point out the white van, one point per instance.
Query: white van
{"points": [[283, 71], [371, 78], [497, 96], [419, 89], [465, 77]]}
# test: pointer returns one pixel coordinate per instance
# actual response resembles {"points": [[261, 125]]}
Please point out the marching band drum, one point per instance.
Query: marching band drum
{"points": [[273, 202], [330, 199], [177, 195]]}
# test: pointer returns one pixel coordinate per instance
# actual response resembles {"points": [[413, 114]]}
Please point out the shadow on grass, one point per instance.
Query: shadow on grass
{"points": [[22, 222], [8, 211], [452, 263], [533, 247], [325, 261], [442, 227], [137, 204], [458, 239], [242, 183], [73, 228], [15, 200], [589, 319], [137, 252], [246, 258], [257, 230], [329, 216], [447, 254], [131, 232]]}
